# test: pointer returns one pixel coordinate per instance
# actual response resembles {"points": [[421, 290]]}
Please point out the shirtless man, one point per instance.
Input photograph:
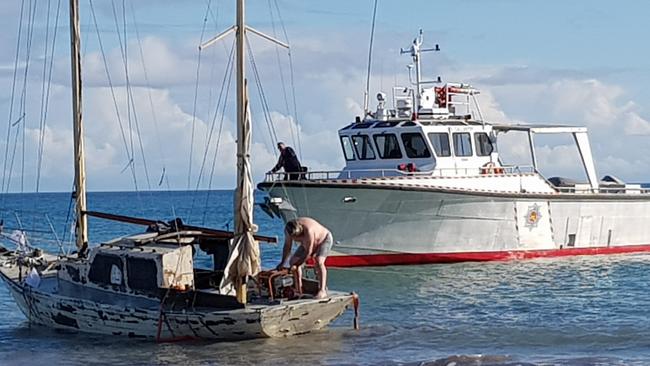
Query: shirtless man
{"points": [[315, 241]]}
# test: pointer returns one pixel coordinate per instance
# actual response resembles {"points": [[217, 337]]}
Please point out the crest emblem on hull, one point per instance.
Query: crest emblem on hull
{"points": [[532, 216]]}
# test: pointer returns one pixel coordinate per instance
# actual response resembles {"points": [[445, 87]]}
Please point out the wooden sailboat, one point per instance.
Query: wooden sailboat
{"points": [[145, 285]]}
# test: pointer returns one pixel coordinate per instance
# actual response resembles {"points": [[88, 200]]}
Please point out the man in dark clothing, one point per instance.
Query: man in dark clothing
{"points": [[289, 161]]}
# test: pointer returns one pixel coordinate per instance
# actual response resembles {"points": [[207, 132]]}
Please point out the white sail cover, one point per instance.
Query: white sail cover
{"points": [[244, 257]]}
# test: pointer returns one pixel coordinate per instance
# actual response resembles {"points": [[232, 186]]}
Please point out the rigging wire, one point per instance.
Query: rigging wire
{"points": [[291, 74], [123, 50], [196, 95], [132, 116], [43, 88], [31, 13], [282, 82], [216, 150], [226, 82], [225, 88], [11, 102], [153, 109], [131, 160], [45, 104], [265, 106], [372, 38], [23, 101], [129, 89], [215, 16], [111, 86]]}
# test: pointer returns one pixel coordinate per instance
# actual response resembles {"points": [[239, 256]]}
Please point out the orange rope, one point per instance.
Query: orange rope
{"points": [[356, 303]]}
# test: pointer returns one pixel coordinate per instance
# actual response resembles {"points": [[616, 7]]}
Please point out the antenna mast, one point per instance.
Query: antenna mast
{"points": [[372, 38], [415, 51]]}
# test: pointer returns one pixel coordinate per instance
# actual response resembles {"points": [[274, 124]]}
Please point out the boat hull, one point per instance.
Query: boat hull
{"points": [[385, 225], [44, 307]]}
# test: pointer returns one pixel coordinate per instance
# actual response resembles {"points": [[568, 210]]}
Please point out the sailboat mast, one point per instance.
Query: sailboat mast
{"points": [[243, 147], [81, 228]]}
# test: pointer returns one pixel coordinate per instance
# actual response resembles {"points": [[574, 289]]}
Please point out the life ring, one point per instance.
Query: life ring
{"points": [[491, 168]]}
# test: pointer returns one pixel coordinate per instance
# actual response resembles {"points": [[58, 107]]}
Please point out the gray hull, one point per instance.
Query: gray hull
{"points": [[45, 307], [410, 224]]}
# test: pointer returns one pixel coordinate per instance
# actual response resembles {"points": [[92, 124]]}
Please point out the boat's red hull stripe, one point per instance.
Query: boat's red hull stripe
{"points": [[424, 258]]}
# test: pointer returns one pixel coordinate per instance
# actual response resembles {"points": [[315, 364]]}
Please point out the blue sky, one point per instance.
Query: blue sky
{"points": [[577, 62]]}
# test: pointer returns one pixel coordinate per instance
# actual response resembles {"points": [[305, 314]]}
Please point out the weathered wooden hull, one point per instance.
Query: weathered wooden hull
{"points": [[254, 321], [375, 224]]}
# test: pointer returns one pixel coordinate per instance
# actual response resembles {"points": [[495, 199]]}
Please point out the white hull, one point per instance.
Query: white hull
{"points": [[377, 222]]}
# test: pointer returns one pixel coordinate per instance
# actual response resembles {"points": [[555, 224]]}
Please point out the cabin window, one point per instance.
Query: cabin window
{"points": [[387, 146], [107, 269], [348, 151], [415, 146], [483, 144], [363, 147], [440, 142], [462, 144], [143, 273]]}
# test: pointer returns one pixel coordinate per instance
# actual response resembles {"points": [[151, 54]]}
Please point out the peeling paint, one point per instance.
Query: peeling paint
{"points": [[113, 316], [65, 320], [68, 308]]}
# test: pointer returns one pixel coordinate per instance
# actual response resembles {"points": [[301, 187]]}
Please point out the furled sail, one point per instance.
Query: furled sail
{"points": [[244, 250]]}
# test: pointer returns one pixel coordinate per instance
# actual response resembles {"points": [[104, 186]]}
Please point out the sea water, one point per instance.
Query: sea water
{"points": [[573, 311]]}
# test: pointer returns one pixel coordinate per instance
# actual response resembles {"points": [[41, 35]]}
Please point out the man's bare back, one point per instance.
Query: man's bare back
{"points": [[313, 235], [315, 241]]}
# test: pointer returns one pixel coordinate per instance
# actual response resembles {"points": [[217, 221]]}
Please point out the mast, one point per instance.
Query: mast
{"points": [[244, 258], [243, 214], [243, 129], [81, 227]]}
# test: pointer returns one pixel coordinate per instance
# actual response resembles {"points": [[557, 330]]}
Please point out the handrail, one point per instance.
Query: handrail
{"points": [[586, 189], [382, 173]]}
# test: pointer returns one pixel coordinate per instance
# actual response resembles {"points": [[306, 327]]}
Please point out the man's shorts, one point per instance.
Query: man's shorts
{"points": [[323, 249]]}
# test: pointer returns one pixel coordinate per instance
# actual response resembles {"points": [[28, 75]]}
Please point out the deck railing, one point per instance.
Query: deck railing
{"points": [[618, 189], [382, 173], [457, 172]]}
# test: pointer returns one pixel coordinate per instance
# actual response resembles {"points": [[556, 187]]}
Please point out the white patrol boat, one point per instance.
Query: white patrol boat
{"points": [[424, 183]]}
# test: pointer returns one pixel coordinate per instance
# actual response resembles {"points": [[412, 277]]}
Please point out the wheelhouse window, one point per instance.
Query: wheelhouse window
{"points": [[440, 142], [363, 147], [387, 146], [348, 150], [462, 144], [415, 146], [483, 144]]}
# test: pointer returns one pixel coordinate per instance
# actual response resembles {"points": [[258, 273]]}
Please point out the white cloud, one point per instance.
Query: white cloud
{"points": [[636, 125], [609, 113], [330, 80]]}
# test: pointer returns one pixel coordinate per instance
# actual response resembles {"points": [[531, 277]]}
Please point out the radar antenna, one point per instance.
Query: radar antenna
{"points": [[415, 51]]}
